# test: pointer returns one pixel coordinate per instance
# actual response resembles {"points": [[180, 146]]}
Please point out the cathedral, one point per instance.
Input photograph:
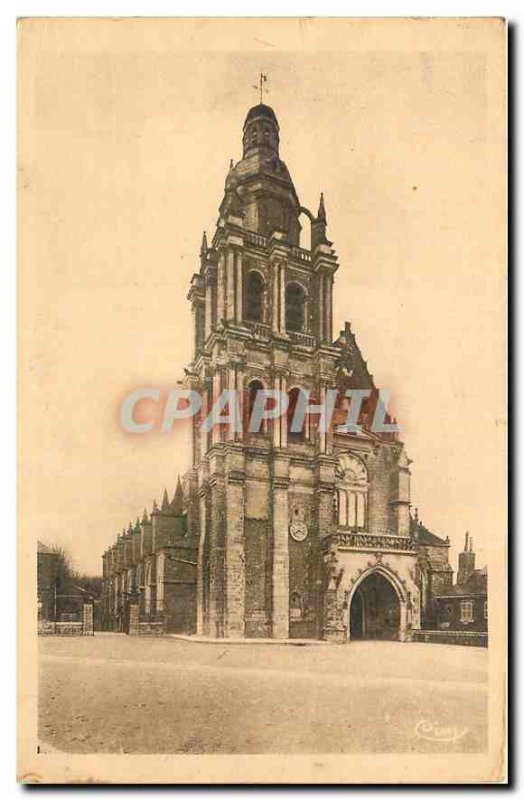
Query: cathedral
{"points": [[278, 532]]}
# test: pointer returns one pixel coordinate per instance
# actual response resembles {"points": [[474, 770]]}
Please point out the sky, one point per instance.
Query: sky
{"points": [[126, 133]]}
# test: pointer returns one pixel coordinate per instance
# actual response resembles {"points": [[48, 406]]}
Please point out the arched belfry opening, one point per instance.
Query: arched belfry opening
{"points": [[295, 307], [254, 297], [306, 220], [375, 609]]}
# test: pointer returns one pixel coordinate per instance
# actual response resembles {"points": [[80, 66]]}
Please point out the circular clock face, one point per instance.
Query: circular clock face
{"points": [[298, 531]]}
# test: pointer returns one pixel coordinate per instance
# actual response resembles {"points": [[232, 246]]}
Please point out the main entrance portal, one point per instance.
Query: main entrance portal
{"points": [[375, 610]]}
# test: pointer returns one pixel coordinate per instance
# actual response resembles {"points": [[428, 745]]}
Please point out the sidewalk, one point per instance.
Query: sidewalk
{"points": [[196, 639]]}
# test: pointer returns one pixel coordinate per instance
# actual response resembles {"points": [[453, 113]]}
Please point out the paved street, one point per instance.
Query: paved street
{"points": [[116, 693]]}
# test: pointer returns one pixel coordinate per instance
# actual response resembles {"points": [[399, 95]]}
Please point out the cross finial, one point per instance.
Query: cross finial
{"points": [[261, 87]]}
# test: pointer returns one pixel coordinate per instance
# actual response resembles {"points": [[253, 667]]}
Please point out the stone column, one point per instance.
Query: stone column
{"points": [[200, 565], [230, 284], [133, 619], [283, 418], [87, 619], [276, 422], [329, 311], [217, 388], [240, 394], [333, 624], [217, 524], [232, 385], [208, 312], [329, 435], [400, 502], [234, 556], [280, 571], [321, 434], [282, 297], [404, 634], [275, 322], [239, 287], [221, 285], [321, 307]]}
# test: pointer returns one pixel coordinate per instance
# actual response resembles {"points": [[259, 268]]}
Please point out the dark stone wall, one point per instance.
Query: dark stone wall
{"points": [[302, 561], [449, 614], [257, 577]]}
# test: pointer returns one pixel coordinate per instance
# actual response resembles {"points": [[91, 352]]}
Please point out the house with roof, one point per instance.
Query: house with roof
{"points": [[464, 606]]}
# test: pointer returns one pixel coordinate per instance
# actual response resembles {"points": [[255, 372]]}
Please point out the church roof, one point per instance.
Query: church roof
{"points": [[261, 110], [425, 537], [476, 584], [44, 548]]}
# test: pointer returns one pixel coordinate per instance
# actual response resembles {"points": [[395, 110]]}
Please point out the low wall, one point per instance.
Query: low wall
{"points": [[60, 628], [469, 638], [83, 627], [138, 627], [147, 629]]}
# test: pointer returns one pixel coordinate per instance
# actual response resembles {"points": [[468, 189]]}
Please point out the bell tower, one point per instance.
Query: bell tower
{"points": [[262, 319], [262, 505]]}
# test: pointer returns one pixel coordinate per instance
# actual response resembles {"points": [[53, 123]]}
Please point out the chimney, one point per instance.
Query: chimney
{"points": [[466, 561]]}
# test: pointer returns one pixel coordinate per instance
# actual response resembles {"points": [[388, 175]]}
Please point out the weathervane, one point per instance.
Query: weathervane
{"points": [[261, 88]]}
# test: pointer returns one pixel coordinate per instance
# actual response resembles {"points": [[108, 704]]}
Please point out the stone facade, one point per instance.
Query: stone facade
{"points": [[149, 574], [290, 526], [282, 533]]}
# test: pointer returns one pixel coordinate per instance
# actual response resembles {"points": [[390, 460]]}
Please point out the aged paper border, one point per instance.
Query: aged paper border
{"points": [[441, 35]]}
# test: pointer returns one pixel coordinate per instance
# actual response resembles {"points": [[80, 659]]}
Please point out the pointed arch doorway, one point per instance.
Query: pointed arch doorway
{"points": [[375, 609]]}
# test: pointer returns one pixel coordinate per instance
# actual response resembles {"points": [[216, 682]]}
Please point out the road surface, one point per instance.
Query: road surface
{"points": [[114, 693]]}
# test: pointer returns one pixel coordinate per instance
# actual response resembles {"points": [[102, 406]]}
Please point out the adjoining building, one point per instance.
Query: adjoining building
{"points": [[48, 571], [278, 533], [464, 606], [64, 608], [152, 564]]}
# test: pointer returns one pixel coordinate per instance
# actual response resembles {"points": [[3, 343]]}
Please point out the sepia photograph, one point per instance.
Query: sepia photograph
{"points": [[262, 400]]}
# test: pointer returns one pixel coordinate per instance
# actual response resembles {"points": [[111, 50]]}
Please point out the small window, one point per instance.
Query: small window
{"points": [[295, 606], [466, 611], [254, 296], [486, 609]]}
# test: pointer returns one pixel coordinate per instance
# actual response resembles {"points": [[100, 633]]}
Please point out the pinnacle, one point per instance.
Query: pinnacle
{"points": [[177, 503], [321, 215]]}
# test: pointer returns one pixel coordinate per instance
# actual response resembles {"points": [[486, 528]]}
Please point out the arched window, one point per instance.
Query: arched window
{"points": [[254, 296], [253, 388], [352, 489], [294, 398], [294, 307]]}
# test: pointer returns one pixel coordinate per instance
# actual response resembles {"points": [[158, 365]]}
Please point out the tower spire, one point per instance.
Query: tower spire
{"points": [[321, 215], [203, 246]]}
